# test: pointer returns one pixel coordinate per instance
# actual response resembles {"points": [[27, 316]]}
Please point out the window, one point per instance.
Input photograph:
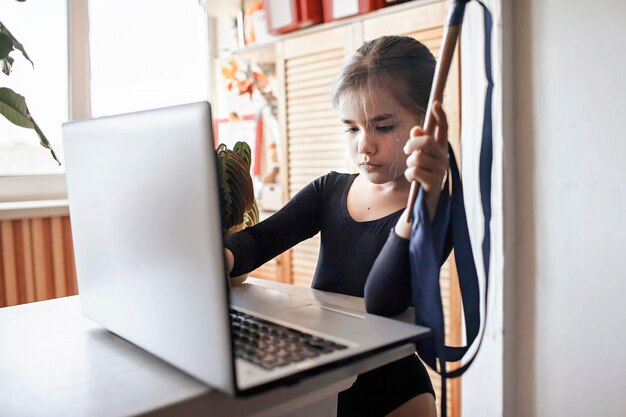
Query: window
{"points": [[147, 54], [143, 54], [42, 28]]}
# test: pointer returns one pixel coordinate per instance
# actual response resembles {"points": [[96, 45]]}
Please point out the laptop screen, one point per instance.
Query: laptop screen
{"points": [[147, 233]]}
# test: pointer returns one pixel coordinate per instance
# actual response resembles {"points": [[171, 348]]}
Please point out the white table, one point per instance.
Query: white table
{"points": [[55, 362]]}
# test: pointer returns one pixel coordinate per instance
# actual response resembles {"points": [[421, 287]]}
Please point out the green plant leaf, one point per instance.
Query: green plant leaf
{"points": [[251, 217], [43, 141], [6, 46], [231, 188], [235, 180], [15, 42], [224, 186], [242, 149], [7, 65], [241, 174], [238, 189], [13, 107]]}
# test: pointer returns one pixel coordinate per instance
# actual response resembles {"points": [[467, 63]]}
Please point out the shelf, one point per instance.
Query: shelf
{"points": [[266, 52], [260, 52]]}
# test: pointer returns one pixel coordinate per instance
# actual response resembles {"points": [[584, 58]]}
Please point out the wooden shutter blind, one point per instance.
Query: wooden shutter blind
{"points": [[314, 135], [316, 144], [36, 260], [269, 270]]}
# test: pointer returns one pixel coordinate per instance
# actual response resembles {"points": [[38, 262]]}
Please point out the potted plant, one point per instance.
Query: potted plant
{"points": [[236, 190]]}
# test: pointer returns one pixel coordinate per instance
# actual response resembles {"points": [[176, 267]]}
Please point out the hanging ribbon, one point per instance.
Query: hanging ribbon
{"points": [[425, 245]]}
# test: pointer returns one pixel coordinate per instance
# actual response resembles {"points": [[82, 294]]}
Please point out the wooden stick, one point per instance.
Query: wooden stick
{"points": [[448, 42]]}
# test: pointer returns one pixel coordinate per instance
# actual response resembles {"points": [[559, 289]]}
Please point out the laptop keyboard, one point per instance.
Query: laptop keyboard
{"points": [[271, 345]]}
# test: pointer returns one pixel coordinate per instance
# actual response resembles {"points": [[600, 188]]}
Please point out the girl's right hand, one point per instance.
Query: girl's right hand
{"points": [[230, 260], [428, 156]]}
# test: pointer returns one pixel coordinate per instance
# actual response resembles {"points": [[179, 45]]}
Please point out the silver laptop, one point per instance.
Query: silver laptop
{"points": [[147, 230]]}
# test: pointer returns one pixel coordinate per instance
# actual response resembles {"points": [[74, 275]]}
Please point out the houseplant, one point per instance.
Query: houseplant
{"points": [[236, 191], [13, 105], [240, 208]]}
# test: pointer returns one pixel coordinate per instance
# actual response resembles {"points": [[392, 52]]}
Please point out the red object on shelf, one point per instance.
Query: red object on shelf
{"points": [[258, 146], [287, 15], [339, 9]]}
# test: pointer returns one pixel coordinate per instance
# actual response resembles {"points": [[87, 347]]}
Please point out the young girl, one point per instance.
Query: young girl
{"points": [[381, 97]]}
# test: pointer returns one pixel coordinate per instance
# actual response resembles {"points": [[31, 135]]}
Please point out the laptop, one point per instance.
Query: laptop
{"points": [[147, 229]]}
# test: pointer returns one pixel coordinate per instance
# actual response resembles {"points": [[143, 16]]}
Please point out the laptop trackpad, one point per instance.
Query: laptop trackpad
{"points": [[322, 318], [264, 300]]}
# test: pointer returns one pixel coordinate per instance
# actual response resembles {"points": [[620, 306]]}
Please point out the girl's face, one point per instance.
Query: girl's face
{"points": [[376, 129]]}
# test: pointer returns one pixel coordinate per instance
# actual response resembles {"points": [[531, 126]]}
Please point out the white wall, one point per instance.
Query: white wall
{"points": [[565, 280], [482, 384]]}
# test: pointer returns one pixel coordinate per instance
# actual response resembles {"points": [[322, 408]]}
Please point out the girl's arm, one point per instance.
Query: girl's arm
{"points": [[388, 285], [296, 221]]}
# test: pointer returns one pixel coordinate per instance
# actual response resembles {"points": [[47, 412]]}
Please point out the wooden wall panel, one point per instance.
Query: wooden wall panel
{"points": [[269, 270], [36, 260], [9, 269], [314, 142]]}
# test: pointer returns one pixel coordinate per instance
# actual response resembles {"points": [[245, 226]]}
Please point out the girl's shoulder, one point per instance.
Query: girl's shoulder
{"points": [[339, 178], [333, 182]]}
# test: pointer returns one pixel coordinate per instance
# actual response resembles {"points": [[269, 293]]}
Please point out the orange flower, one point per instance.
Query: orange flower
{"points": [[229, 71]]}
